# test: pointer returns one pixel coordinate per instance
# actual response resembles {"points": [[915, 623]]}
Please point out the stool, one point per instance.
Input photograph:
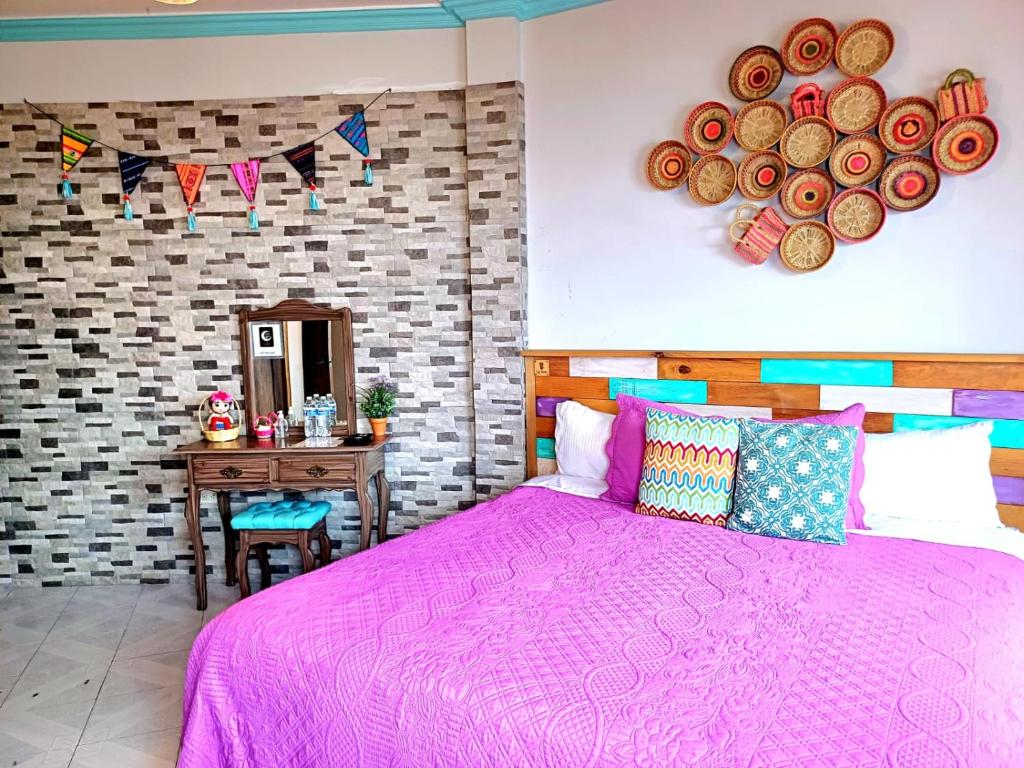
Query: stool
{"points": [[281, 522]]}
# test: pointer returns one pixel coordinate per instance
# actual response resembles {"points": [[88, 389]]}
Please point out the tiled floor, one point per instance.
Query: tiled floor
{"points": [[91, 677]]}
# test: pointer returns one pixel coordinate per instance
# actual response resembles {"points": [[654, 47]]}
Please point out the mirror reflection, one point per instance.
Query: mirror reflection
{"points": [[293, 360]]}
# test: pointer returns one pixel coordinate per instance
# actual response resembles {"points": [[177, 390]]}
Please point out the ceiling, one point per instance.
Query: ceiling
{"points": [[43, 8]]}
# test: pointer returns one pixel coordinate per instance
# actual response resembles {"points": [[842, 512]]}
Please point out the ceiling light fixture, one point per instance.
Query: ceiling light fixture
{"points": [[177, 2]]}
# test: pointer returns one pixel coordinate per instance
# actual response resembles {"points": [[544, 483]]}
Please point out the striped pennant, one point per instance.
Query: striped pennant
{"points": [[73, 146]]}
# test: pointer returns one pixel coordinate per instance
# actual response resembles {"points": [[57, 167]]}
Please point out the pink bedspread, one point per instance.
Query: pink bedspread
{"points": [[547, 630]]}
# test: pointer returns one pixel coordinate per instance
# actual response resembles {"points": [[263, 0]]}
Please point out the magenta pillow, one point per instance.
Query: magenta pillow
{"points": [[625, 449]]}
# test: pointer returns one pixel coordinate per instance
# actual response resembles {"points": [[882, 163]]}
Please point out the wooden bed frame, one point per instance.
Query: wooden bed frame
{"points": [[901, 391]]}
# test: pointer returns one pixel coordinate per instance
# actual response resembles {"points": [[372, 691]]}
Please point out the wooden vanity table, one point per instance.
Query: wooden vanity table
{"points": [[289, 352], [248, 464]]}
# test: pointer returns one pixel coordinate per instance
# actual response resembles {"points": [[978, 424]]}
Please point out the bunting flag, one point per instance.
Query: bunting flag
{"points": [[190, 177], [73, 146], [303, 160], [132, 167], [247, 175], [353, 131]]}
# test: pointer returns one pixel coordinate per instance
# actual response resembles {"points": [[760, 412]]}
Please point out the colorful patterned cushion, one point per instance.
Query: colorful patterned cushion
{"points": [[793, 480], [689, 467]]}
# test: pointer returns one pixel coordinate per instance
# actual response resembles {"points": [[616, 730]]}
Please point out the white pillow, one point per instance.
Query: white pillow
{"points": [[580, 437], [931, 476]]}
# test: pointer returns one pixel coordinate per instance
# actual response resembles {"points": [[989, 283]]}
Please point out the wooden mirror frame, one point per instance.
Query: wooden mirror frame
{"points": [[299, 309]]}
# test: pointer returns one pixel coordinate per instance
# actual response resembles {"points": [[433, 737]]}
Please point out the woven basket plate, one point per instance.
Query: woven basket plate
{"points": [[908, 124], [759, 124], [668, 165], [809, 46], [712, 179], [864, 47], [909, 182], [761, 174], [807, 246], [857, 160], [755, 73], [708, 129], [965, 144], [807, 193], [856, 215], [807, 142], [855, 105]]}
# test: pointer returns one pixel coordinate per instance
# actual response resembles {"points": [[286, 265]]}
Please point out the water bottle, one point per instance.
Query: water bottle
{"points": [[307, 418], [320, 417], [332, 412]]}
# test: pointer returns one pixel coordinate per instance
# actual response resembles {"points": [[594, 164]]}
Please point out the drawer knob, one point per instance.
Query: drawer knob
{"points": [[231, 473], [317, 471]]}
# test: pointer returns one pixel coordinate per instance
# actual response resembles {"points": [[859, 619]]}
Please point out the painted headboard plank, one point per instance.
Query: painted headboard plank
{"points": [[959, 375], [1006, 433], [1009, 490], [708, 369], [935, 402], [988, 403], [868, 373]]}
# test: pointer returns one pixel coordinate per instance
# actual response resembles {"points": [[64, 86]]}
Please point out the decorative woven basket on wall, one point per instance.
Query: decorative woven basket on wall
{"points": [[807, 142], [856, 215], [864, 48], [807, 246], [712, 180], [759, 125]]}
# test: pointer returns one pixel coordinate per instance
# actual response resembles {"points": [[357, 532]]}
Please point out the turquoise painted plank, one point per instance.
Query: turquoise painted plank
{"points": [[170, 25], [545, 448], [1006, 433], [868, 373], [662, 390]]}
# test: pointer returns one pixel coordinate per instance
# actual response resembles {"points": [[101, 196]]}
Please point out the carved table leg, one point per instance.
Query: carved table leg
{"points": [[263, 555], [383, 505], [224, 505], [195, 532], [365, 515]]}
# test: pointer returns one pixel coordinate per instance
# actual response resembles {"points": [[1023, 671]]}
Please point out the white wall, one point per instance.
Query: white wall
{"points": [[232, 67], [616, 264]]}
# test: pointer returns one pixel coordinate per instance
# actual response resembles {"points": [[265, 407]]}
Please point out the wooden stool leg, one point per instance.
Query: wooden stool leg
{"points": [[224, 506], [325, 548], [264, 558], [243, 564], [305, 552]]}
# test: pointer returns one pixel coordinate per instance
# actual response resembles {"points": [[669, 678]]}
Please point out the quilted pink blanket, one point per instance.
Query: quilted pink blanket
{"points": [[546, 630]]}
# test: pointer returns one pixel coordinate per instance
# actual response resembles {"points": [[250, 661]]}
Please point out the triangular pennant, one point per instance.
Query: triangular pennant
{"points": [[132, 167], [303, 160], [353, 131], [190, 177], [247, 175], [73, 146]]}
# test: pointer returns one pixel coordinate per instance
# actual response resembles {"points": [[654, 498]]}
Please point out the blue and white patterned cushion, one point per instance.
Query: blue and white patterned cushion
{"points": [[793, 480]]}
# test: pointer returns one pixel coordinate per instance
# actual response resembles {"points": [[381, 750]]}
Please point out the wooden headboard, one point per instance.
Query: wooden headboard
{"points": [[901, 392]]}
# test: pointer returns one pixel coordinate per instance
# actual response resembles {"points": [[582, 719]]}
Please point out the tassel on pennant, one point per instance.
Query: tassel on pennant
{"points": [[129, 214], [314, 204], [254, 218], [191, 220], [65, 187], [368, 172]]}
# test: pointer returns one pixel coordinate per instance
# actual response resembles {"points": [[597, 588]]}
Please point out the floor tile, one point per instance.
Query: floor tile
{"points": [[146, 673], [30, 739], [117, 716], [88, 632], [218, 599], [158, 749], [159, 629], [6, 684], [51, 681]]}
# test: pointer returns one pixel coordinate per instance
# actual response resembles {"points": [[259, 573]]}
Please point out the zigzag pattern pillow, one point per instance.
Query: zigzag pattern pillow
{"points": [[689, 467]]}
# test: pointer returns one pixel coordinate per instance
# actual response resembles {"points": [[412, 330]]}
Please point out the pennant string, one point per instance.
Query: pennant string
{"points": [[165, 161]]}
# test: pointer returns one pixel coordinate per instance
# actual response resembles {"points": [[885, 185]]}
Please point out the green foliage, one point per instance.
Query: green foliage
{"points": [[377, 401]]}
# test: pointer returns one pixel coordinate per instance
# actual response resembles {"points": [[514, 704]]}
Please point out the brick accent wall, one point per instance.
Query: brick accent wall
{"points": [[112, 331]]}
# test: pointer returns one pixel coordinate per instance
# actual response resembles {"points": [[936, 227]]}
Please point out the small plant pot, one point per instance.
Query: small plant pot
{"points": [[379, 427]]}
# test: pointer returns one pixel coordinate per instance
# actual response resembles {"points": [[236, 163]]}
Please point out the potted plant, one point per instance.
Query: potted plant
{"points": [[377, 402]]}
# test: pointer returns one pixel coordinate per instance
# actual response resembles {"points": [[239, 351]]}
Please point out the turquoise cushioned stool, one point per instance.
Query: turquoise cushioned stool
{"points": [[281, 522]]}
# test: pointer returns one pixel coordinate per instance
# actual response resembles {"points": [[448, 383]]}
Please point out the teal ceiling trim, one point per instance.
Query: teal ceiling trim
{"points": [[450, 14], [157, 26]]}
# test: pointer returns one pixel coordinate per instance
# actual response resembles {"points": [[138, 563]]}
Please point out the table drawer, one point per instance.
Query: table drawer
{"points": [[333, 469], [248, 469]]}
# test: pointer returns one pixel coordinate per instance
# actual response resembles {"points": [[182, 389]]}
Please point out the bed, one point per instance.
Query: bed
{"points": [[545, 628]]}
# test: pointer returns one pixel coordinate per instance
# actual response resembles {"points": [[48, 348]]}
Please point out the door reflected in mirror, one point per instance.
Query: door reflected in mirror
{"points": [[296, 359]]}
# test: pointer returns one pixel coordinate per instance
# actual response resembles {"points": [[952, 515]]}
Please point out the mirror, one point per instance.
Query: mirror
{"points": [[297, 350]]}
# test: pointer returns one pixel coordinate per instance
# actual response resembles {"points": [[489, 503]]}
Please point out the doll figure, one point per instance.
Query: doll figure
{"points": [[221, 403]]}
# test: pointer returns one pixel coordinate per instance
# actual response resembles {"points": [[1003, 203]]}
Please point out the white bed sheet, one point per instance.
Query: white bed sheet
{"points": [[587, 487], [1001, 539]]}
